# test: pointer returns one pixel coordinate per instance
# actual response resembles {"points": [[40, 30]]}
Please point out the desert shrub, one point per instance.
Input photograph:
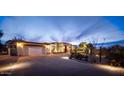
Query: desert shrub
{"points": [[115, 54]]}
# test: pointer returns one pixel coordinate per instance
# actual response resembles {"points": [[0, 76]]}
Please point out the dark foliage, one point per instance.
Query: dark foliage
{"points": [[116, 55]]}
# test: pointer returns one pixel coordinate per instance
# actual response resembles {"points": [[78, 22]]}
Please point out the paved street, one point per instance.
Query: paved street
{"points": [[54, 65]]}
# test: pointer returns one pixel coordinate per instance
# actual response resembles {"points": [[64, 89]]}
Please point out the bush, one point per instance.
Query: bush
{"points": [[115, 54]]}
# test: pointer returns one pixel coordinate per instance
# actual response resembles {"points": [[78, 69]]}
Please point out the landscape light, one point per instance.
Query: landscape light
{"points": [[14, 66], [111, 68], [66, 58]]}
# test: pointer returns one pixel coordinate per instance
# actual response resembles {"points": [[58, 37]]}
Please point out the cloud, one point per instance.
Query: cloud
{"points": [[65, 29]]}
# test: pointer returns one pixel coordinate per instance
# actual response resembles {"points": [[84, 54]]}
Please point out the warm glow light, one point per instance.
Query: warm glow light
{"points": [[47, 46], [111, 68], [14, 66], [85, 46], [55, 50], [20, 44], [97, 55], [66, 58]]}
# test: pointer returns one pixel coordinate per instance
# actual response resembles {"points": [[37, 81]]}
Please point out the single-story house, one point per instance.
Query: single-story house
{"points": [[25, 48]]}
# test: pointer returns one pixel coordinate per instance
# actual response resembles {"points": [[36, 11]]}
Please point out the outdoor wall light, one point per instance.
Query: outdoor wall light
{"points": [[19, 44]]}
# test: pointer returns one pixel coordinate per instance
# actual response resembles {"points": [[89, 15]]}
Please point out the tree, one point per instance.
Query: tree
{"points": [[88, 47], [91, 48], [1, 34], [100, 50], [1, 46], [19, 37], [100, 47], [82, 44]]}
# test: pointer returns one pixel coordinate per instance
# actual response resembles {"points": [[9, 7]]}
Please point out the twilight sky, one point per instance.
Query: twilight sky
{"points": [[72, 29]]}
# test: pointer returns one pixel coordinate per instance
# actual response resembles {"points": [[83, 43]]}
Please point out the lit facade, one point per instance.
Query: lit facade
{"points": [[24, 48]]}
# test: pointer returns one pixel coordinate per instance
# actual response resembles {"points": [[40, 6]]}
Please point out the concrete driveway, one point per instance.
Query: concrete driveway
{"points": [[56, 65]]}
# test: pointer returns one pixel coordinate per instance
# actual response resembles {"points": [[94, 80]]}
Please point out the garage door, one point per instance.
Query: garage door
{"points": [[35, 51]]}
